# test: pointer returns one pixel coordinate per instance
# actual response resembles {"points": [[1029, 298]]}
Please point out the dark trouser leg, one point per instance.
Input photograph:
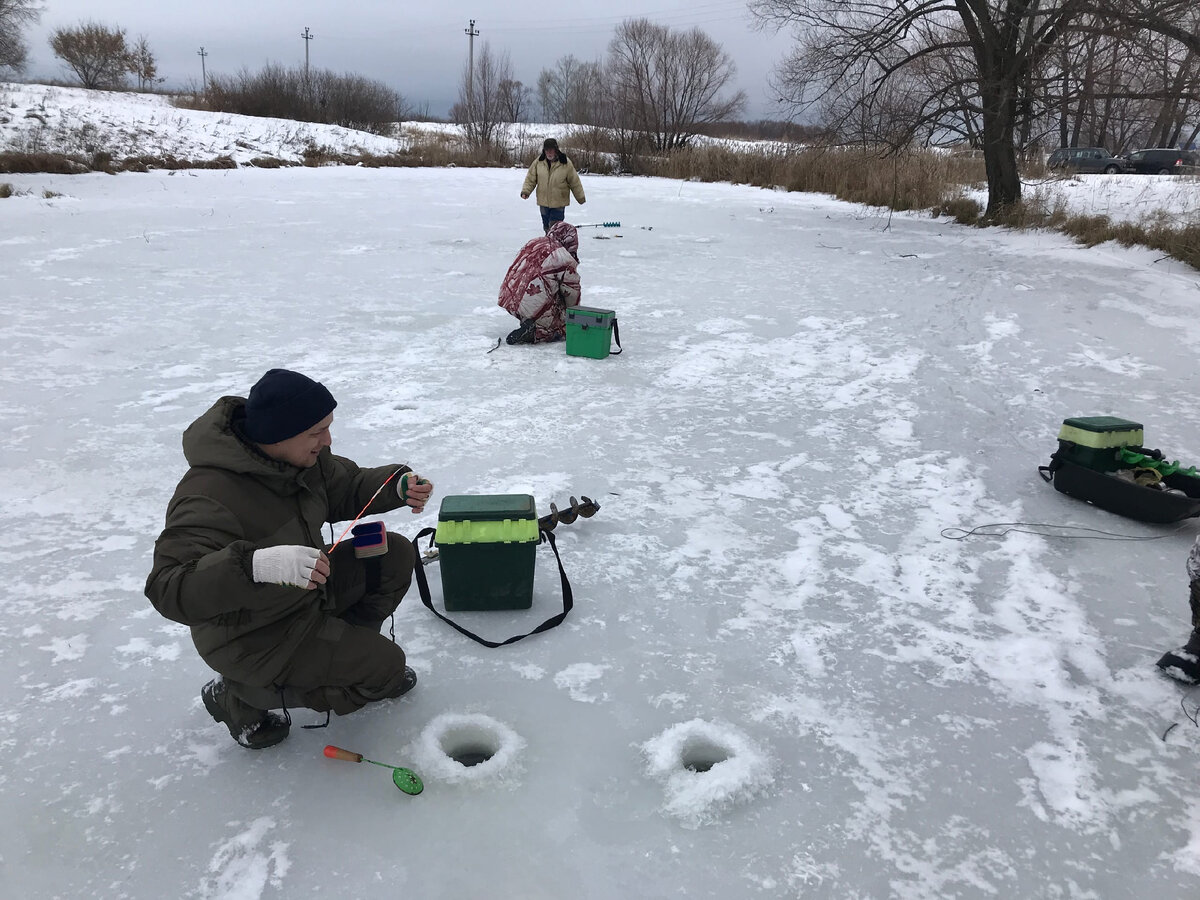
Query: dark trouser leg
{"points": [[1194, 601], [550, 215], [346, 663], [352, 587], [343, 667]]}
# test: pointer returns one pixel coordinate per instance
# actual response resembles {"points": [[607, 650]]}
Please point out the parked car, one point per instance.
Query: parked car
{"points": [[1085, 159], [1162, 161]]}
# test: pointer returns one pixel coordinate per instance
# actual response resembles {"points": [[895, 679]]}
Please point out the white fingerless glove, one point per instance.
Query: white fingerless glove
{"points": [[290, 564]]}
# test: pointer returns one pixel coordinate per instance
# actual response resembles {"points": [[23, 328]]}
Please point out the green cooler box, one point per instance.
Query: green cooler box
{"points": [[486, 548], [1093, 441], [589, 331]]}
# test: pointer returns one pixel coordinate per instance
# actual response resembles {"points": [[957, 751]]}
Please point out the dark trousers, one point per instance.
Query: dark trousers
{"points": [[551, 214], [346, 663]]}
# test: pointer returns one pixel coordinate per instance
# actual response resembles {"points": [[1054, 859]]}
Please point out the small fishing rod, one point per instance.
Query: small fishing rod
{"points": [[405, 779]]}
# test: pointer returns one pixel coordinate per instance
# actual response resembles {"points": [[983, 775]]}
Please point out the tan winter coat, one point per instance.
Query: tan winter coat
{"points": [[233, 501], [555, 183]]}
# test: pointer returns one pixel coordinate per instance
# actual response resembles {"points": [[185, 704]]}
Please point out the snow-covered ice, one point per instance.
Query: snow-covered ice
{"points": [[811, 393]]}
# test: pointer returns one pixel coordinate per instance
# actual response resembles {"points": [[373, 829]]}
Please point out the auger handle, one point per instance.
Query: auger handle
{"points": [[338, 753]]}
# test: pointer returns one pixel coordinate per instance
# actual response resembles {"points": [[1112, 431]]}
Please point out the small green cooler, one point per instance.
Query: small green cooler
{"points": [[589, 331], [486, 547], [1093, 441]]}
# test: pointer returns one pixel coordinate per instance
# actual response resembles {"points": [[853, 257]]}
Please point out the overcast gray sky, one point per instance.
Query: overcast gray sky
{"points": [[417, 48]]}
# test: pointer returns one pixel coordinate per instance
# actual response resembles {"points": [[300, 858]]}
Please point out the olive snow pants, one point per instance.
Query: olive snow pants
{"points": [[346, 663]]}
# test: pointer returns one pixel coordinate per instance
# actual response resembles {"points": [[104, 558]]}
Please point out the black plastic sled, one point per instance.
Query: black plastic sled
{"points": [[1125, 498]]}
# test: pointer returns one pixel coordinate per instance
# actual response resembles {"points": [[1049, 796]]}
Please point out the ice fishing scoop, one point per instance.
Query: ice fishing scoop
{"points": [[405, 779]]}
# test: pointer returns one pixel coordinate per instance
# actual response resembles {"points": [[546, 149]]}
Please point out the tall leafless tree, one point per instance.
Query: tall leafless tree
{"points": [[851, 51], [480, 106], [668, 82], [514, 100], [143, 64], [14, 16], [571, 91]]}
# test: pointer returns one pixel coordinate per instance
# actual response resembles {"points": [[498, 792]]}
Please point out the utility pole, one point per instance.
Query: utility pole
{"points": [[203, 71], [471, 33], [308, 36]]}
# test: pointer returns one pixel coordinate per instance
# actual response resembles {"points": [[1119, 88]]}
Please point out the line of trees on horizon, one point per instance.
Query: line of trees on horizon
{"points": [[654, 92]]}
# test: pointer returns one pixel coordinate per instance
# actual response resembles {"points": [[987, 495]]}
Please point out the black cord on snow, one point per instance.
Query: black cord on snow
{"points": [[1094, 534], [1192, 715]]}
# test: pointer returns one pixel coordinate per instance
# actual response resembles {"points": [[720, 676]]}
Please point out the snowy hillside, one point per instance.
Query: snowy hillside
{"points": [[73, 120]]}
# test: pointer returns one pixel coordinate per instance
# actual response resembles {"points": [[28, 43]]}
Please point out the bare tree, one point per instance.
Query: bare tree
{"points": [[480, 108], [514, 100], [571, 91], [1000, 55], [14, 16], [143, 65], [667, 83], [97, 54], [863, 45]]}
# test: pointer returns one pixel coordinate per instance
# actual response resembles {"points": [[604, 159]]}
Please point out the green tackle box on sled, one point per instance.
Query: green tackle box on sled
{"points": [[1101, 459], [486, 545], [1093, 441], [590, 332]]}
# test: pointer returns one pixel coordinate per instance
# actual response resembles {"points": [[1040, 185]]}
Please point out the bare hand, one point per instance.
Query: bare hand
{"points": [[417, 492], [320, 572]]}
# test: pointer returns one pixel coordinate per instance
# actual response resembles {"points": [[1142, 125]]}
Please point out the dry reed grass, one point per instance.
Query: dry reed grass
{"points": [[916, 180]]}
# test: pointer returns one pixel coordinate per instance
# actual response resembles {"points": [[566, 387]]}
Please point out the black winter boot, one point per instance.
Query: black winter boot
{"points": [[1183, 664], [524, 334], [253, 728], [409, 682]]}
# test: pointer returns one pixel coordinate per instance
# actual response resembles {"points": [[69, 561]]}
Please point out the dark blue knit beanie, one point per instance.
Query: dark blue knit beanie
{"points": [[284, 403]]}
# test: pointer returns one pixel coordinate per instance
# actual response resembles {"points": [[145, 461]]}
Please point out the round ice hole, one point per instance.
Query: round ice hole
{"points": [[699, 755], [468, 748], [469, 744], [705, 767], [471, 756]]}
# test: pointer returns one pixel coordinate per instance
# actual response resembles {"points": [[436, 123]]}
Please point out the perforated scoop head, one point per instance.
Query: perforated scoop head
{"points": [[408, 781]]}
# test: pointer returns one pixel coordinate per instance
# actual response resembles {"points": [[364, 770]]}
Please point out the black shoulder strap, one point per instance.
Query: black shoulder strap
{"points": [[423, 587], [616, 337]]}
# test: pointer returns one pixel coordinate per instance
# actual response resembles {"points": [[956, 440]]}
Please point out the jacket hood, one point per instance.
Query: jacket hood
{"points": [[567, 235], [213, 440]]}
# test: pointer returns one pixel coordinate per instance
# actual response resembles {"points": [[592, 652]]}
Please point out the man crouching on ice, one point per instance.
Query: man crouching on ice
{"points": [[242, 562]]}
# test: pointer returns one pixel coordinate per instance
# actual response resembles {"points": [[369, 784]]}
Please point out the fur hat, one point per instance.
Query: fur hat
{"points": [[284, 403], [549, 144]]}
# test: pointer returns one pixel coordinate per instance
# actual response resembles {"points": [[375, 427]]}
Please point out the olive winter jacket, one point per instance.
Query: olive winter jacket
{"points": [[555, 183], [235, 500]]}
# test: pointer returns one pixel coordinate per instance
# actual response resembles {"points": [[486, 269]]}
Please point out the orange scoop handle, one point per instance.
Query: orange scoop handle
{"points": [[338, 753]]}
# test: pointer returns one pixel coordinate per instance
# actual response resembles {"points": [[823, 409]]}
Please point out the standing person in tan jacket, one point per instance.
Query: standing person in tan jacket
{"points": [[555, 178]]}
